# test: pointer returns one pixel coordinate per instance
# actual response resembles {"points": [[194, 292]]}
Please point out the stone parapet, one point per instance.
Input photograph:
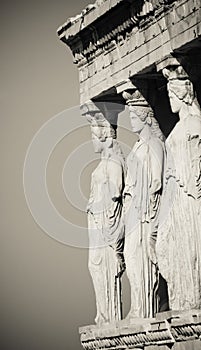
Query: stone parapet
{"points": [[167, 329]]}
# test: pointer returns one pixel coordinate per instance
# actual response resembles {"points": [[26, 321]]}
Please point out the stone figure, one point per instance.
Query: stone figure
{"points": [[105, 224], [179, 235], [142, 194]]}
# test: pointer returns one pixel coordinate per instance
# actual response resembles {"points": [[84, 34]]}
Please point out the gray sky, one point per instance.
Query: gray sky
{"points": [[46, 290]]}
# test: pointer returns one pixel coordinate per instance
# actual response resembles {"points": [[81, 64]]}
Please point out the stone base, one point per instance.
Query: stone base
{"points": [[169, 330], [187, 345]]}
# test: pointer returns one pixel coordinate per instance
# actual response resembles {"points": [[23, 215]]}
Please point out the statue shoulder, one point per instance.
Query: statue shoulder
{"points": [[115, 163], [157, 146]]}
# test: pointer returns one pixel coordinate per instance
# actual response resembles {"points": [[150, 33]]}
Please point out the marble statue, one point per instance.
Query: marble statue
{"points": [[142, 194], [179, 235], [105, 224]]}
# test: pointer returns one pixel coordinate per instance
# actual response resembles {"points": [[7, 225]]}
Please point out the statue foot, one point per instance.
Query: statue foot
{"points": [[132, 315], [100, 320]]}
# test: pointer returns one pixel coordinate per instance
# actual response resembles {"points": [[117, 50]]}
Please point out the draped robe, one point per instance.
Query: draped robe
{"points": [[106, 236], [142, 192], [179, 235]]}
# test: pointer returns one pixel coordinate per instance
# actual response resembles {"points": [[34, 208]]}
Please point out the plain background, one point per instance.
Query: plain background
{"points": [[46, 290]]}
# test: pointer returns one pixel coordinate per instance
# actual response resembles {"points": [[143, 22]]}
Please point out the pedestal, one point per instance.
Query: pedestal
{"points": [[169, 330]]}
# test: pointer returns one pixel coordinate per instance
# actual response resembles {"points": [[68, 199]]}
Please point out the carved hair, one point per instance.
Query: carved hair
{"points": [[143, 112], [183, 89], [146, 115], [155, 128], [117, 150], [101, 127], [179, 84]]}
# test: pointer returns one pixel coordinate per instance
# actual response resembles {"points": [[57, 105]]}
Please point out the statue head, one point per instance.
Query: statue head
{"points": [[103, 133], [139, 117], [103, 129], [140, 110], [142, 117], [180, 88], [141, 113]]}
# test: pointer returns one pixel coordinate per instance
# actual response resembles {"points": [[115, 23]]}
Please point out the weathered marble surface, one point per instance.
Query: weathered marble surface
{"points": [[113, 42], [173, 330], [137, 35], [106, 229], [142, 193], [179, 234]]}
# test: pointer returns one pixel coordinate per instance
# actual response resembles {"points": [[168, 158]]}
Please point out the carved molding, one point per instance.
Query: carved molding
{"points": [[110, 110], [183, 327], [120, 39], [89, 42], [166, 62], [135, 98]]}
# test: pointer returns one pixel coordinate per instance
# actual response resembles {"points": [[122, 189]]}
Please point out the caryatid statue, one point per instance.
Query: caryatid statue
{"points": [[179, 235], [105, 224], [143, 188]]}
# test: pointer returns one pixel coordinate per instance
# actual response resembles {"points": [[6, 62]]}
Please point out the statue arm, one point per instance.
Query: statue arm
{"points": [[111, 193], [194, 181], [157, 163], [156, 179], [130, 183], [115, 180], [116, 185]]}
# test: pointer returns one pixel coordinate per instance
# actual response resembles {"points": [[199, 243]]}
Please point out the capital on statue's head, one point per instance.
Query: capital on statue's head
{"points": [[97, 120], [89, 108], [134, 97], [175, 72]]}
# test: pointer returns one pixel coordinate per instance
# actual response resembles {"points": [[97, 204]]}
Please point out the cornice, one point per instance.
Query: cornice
{"points": [[96, 30]]}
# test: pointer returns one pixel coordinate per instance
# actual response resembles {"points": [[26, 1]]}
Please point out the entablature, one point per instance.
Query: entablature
{"points": [[113, 41]]}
